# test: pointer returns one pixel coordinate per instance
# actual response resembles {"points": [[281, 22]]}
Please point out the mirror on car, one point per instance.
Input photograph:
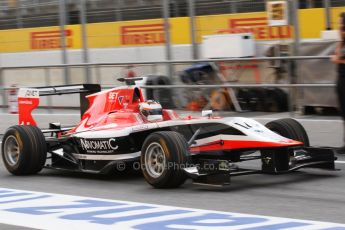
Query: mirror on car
{"points": [[206, 113]]}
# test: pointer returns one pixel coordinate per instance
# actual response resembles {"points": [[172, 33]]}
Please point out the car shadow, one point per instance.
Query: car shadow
{"points": [[239, 183], [257, 181], [126, 175]]}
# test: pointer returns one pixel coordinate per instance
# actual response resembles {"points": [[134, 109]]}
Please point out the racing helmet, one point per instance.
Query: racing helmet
{"points": [[151, 110]]}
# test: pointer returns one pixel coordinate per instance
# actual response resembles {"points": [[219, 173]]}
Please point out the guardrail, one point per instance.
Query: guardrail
{"points": [[238, 86], [290, 86], [289, 58]]}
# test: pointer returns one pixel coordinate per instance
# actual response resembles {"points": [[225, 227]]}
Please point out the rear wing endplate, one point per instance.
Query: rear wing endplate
{"points": [[28, 98]]}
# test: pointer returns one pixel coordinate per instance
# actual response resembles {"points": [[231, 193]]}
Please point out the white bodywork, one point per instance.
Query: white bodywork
{"points": [[252, 129]]}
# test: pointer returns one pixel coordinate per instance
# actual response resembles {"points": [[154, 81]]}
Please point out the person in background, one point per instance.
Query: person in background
{"points": [[339, 59], [130, 72]]}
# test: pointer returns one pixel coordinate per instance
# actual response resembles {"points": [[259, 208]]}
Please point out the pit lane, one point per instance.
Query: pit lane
{"points": [[307, 194]]}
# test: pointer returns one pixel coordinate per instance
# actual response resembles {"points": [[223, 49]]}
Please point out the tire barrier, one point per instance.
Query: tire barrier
{"points": [[203, 74], [257, 99], [320, 110], [263, 99], [164, 96]]}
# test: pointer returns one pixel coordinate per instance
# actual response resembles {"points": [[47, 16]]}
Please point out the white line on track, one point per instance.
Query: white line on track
{"points": [[56, 211]]}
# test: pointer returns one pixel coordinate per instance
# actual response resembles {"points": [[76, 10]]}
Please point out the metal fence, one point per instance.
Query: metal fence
{"points": [[35, 13], [45, 74]]}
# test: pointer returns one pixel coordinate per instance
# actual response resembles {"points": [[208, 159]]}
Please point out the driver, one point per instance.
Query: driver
{"points": [[151, 110]]}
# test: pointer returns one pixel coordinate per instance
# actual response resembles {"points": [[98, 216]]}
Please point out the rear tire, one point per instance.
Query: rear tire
{"points": [[24, 150], [164, 155], [289, 128]]}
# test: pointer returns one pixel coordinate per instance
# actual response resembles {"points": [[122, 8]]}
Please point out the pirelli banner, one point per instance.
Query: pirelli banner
{"points": [[151, 32], [36, 39], [50, 39]]}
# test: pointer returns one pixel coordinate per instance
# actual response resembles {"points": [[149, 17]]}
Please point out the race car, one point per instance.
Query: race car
{"points": [[118, 125]]}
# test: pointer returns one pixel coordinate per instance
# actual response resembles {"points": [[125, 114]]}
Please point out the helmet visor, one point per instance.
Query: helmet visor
{"points": [[155, 112]]}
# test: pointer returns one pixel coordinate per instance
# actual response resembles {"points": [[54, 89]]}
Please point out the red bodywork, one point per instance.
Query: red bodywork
{"points": [[115, 106], [124, 101]]}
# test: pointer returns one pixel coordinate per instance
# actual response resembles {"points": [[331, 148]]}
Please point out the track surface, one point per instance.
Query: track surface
{"points": [[308, 194]]}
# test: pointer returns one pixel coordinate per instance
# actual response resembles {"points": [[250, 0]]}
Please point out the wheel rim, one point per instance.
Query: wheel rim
{"points": [[11, 150], [155, 160]]}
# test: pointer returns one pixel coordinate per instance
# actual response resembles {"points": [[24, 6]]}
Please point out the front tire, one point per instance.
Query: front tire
{"points": [[24, 150], [164, 155], [289, 128]]}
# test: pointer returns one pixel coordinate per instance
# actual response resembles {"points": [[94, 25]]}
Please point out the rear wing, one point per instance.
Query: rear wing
{"points": [[28, 98]]}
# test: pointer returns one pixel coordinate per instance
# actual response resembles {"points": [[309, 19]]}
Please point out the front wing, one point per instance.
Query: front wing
{"points": [[273, 161]]}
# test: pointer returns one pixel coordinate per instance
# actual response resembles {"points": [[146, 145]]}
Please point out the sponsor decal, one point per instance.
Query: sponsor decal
{"points": [[99, 146], [267, 160], [260, 28], [113, 96], [277, 13], [258, 130], [26, 102], [287, 141], [142, 34], [55, 211], [121, 99], [140, 127], [31, 93], [50, 39], [224, 166], [28, 93]]}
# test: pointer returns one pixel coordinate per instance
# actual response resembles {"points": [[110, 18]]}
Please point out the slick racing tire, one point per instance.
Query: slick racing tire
{"points": [[289, 128], [24, 150], [163, 157]]}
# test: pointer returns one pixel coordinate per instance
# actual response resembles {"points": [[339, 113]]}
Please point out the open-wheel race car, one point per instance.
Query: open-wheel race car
{"points": [[118, 125]]}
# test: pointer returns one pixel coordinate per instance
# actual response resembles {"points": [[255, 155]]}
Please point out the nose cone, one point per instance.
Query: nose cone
{"points": [[255, 131]]}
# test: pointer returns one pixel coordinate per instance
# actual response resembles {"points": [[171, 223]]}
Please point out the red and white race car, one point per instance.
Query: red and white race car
{"points": [[118, 125]]}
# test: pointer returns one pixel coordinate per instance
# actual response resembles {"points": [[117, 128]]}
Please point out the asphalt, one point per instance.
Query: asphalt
{"points": [[307, 194]]}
